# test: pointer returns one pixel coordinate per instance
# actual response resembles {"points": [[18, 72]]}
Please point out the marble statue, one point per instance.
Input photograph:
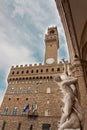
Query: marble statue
{"points": [[72, 112]]}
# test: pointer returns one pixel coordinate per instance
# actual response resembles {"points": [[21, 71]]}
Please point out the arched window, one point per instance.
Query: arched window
{"points": [[37, 90], [24, 112], [5, 111], [12, 90], [17, 72], [32, 71], [37, 71], [40, 77], [48, 90], [41, 70], [27, 71], [58, 69], [50, 77], [20, 90], [15, 111], [28, 90], [47, 77], [19, 125], [22, 72], [9, 99], [46, 70], [13, 72], [26, 99], [52, 69]]}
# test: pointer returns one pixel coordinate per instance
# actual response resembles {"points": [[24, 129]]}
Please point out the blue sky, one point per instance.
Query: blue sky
{"points": [[23, 24]]}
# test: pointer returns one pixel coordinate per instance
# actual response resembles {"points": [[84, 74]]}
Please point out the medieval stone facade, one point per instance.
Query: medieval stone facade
{"points": [[33, 85]]}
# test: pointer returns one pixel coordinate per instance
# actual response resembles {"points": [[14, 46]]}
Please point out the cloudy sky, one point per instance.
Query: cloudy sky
{"points": [[23, 24]]}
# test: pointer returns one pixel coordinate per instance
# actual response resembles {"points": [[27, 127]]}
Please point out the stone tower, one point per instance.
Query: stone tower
{"points": [[32, 85], [52, 44]]}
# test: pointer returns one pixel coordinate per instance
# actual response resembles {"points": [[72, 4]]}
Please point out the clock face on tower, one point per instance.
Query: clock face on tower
{"points": [[50, 61]]}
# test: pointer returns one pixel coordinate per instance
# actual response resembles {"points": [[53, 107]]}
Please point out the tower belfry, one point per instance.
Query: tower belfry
{"points": [[52, 45]]}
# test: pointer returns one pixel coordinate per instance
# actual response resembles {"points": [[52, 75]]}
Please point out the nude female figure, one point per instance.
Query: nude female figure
{"points": [[73, 115]]}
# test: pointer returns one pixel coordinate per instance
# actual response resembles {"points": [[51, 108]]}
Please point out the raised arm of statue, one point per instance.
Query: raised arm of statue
{"points": [[65, 67]]}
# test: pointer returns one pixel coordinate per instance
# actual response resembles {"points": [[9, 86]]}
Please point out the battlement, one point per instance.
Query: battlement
{"points": [[52, 36], [34, 71], [26, 65]]}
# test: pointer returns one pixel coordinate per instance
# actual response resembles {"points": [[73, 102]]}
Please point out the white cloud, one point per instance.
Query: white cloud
{"points": [[11, 54], [39, 12], [1, 96], [12, 50]]}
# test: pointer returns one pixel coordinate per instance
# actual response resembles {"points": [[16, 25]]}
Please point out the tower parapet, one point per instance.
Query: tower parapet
{"points": [[52, 36]]}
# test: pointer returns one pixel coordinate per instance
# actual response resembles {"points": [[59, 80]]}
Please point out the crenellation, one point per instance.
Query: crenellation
{"points": [[21, 66], [40, 64], [35, 64], [36, 70], [30, 65], [26, 65], [17, 66], [12, 67]]}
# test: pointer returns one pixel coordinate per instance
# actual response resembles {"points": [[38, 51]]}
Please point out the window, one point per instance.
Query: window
{"points": [[27, 78], [50, 77], [47, 77], [37, 71], [46, 70], [9, 98], [47, 112], [3, 126], [31, 127], [22, 72], [26, 99], [5, 111], [12, 90], [28, 90], [13, 72], [32, 71], [24, 112], [27, 71], [46, 126], [58, 69], [48, 90], [19, 126], [37, 90], [41, 70], [34, 78], [17, 98], [17, 72], [15, 111], [52, 69], [20, 91]]}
